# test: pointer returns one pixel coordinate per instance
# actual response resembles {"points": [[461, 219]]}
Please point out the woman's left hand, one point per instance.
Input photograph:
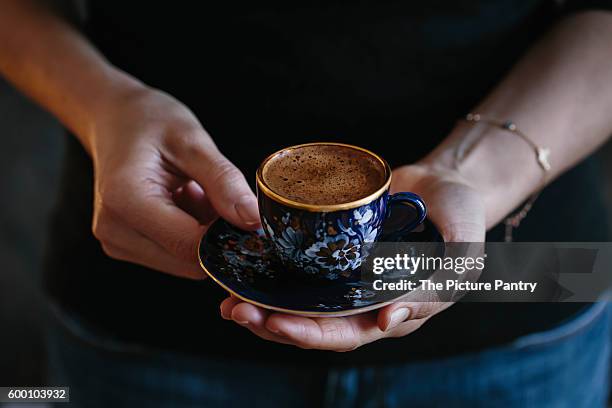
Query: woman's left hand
{"points": [[458, 211]]}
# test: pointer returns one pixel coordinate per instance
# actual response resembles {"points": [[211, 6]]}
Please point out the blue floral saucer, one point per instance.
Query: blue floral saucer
{"points": [[245, 264]]}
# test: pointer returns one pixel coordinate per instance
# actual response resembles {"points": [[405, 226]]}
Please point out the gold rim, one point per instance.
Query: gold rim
{"points": [[261, 185], [290, 311], [280, 309]]}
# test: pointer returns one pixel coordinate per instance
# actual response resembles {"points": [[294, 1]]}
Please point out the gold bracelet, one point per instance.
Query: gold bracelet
{"points": [[541, 153]]}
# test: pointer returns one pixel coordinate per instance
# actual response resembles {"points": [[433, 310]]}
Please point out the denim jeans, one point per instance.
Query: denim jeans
{"points": [[563, 367]]}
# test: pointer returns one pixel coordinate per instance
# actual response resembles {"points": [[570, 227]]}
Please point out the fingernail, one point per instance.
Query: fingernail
{"points": [[242, 322], [398, 317], [246, 208]]}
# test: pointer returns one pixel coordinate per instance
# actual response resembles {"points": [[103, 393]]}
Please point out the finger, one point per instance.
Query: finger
{"points": [[227, 305], [192, 199], [245, 313], [393, 315], [337, 334], [150, 210], [254, 318], [405, 328], [228, 191], [125, 244], [161, 262]]}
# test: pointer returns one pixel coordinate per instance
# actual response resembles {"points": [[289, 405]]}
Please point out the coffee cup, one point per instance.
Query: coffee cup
{"points": [[322, 206]]}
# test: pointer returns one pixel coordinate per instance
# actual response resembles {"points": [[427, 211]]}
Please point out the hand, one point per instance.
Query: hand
{"points": [[159, 179], [457, 210]]}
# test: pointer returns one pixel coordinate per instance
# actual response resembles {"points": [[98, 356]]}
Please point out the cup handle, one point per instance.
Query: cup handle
{"points": [[405, 199]]}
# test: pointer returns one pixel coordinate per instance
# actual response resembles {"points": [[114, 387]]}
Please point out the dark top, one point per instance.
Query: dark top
{"points": [[392, 76]]}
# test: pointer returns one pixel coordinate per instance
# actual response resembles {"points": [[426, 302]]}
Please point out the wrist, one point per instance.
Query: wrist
{"points": [[499, 165]]}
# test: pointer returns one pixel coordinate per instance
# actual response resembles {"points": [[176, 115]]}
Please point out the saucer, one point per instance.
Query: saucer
{"points": [[245, 264]]}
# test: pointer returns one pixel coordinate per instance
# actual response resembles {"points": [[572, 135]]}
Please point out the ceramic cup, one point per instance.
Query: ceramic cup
{"points": [[332, 241]]}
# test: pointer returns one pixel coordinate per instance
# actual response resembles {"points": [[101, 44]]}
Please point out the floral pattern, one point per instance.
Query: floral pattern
{"points": [[336, 252], [331, 244], [290, 243], [245, 254], [246, 263]]}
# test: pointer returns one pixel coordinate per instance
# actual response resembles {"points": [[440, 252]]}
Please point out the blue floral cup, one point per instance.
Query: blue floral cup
{"points": [[332, 241]]}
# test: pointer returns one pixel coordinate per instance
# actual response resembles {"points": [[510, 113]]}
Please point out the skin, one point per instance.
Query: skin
{"points": [[159, 178]]}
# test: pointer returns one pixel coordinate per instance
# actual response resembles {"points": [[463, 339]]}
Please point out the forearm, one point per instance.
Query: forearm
{"points": [[560, 94], [54, 65]]}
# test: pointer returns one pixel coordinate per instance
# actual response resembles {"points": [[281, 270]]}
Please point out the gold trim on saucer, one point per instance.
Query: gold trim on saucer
{"points": [[261, 185], [283, 310]]}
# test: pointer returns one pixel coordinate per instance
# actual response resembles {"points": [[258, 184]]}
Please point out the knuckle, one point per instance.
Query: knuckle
{"points": [[334, 334], [111, 251], [225, 174], [406, 331], [408, 327], [425, 309], [100, 229], [306, 339], [183, 248], [331, 331], [186, 141], [109, 195]]}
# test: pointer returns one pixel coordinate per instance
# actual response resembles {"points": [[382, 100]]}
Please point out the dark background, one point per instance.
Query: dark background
{"points": [[32, 145]]}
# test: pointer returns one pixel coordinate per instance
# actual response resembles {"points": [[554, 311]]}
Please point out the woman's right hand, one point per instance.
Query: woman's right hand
{"points": [[159, 180]]}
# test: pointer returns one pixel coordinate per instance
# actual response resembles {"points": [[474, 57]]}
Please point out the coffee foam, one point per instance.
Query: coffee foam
{"points": [[324, 174]]}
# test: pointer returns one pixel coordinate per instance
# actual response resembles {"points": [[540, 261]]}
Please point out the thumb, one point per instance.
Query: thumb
{"points": [[224, 184], [231, 195]]}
